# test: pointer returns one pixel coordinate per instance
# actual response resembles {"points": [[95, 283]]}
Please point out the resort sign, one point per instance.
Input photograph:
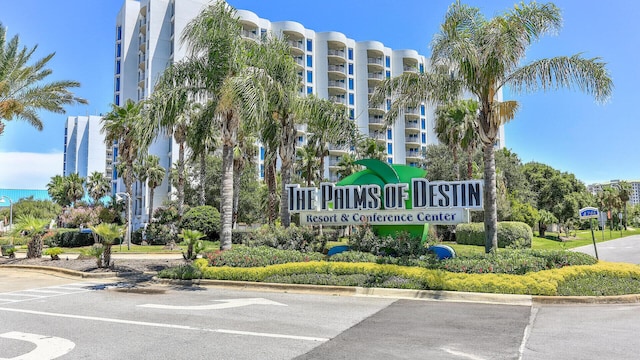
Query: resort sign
{"points": [[383, 194]]}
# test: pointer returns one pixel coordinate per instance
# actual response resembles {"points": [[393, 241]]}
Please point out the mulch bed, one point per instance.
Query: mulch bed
{"points": [[89, 265]]}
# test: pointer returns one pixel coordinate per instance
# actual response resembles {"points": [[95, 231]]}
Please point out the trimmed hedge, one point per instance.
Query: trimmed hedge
{"points": [[70, 238], [509, 233], [547, 282], [205, 219]]}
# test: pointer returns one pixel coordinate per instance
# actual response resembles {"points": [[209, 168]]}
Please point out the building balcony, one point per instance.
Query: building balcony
{"points": [[376, 109], [339, 69], [412, 140], [299, 61], [412, 126], [375, 62], [334, 163], [336, 53], [409, 68], [412, 113], [378, 136], [414, 155], [375, 76], [338, 148], [250, 35], [297, 47], [340, 86], [338, 99]]}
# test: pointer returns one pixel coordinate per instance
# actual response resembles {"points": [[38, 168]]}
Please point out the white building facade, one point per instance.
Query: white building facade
{"points": [[84, 147], [634, 199], [330, 65]]}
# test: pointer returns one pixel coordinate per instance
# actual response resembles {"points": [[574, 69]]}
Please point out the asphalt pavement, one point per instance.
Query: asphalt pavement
{"points": [[626, 249]]}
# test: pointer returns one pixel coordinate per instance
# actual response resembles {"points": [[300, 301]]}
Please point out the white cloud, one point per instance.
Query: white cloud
{"points": [[25, 170]]}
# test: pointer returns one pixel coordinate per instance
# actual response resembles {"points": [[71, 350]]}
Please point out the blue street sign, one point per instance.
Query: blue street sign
{"points": [[589, 213]]}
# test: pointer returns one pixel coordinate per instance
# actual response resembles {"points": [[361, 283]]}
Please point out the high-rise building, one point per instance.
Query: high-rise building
{"points": [[330, 65], [84, 147], [634, 198]]}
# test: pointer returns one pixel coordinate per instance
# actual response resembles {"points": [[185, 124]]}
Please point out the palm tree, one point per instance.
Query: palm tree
{"points": [[368, 148], [124, 126], [347, 166], [150, 171], [243, 156], [308, 164], [23, 91], [545, 218], [192, 238], [34, 228], [624, 195], [107, 235], [328, 124], [56, 190], [481, 56], [220, 74], [98, 186], [455, 126], [74, 188]]}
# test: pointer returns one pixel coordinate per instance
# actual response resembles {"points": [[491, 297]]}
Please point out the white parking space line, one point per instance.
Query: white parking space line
{"points": [[46, 292], [163, 325]]}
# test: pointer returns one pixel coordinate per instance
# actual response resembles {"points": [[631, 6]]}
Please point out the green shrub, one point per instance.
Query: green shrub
{"points": [[242, 256], [160, 234], [515, 262], [300, 238], [70, 238], [353, 256], [205, 219], [182, 272], [54, 252], [401, 244], [509, 232]]}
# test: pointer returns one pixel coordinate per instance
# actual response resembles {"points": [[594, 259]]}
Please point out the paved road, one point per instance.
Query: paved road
{"points": [[625, 249], [111, 319]]}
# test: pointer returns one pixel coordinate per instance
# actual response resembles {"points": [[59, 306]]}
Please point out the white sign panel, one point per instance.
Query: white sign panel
{"points": [[450, 216]]}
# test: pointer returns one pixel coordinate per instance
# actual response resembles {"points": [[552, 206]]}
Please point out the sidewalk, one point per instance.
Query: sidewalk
{"points": [[160, 256], [626, 249]]}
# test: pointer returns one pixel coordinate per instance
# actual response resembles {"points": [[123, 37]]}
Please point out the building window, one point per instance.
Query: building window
{"points": [[389, 134], [424, 138], [119, 33], [421, 68], [423, 124], [262, 170], [388, 74], [350, 69], [261, 153], [309, 60], [390, 160], [309, 45], [117, 100], [388, 104], [118, 67], [351, 99], [350, 83], [387, 61], [118, 83], [309, 76], [352, 114], [350, 53], [309, 89], [118, 50], [422, 110], [389, 149]]}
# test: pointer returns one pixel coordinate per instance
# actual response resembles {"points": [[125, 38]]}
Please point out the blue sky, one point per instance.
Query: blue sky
{"points": [[565, 129]]}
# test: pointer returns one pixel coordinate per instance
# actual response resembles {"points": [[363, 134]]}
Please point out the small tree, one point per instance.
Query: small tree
{"points": [[194, 244], [106, 235], [33, 228]]}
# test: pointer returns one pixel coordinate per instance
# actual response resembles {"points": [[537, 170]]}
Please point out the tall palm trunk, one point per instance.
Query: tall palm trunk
{"points": [[106, 255], [490, 205], [287, 156], [270, 178], [34, 247], [151, 194], [469, 162], [226, 197], [238, 167], [203, 177], [128, 185], [181, 180]]}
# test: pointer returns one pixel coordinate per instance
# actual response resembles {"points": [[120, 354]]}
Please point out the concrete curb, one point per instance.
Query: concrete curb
{"points": [[428, 295]]}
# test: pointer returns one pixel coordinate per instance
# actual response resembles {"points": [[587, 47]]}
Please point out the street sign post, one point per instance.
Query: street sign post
{"points": [[590, 213]]}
